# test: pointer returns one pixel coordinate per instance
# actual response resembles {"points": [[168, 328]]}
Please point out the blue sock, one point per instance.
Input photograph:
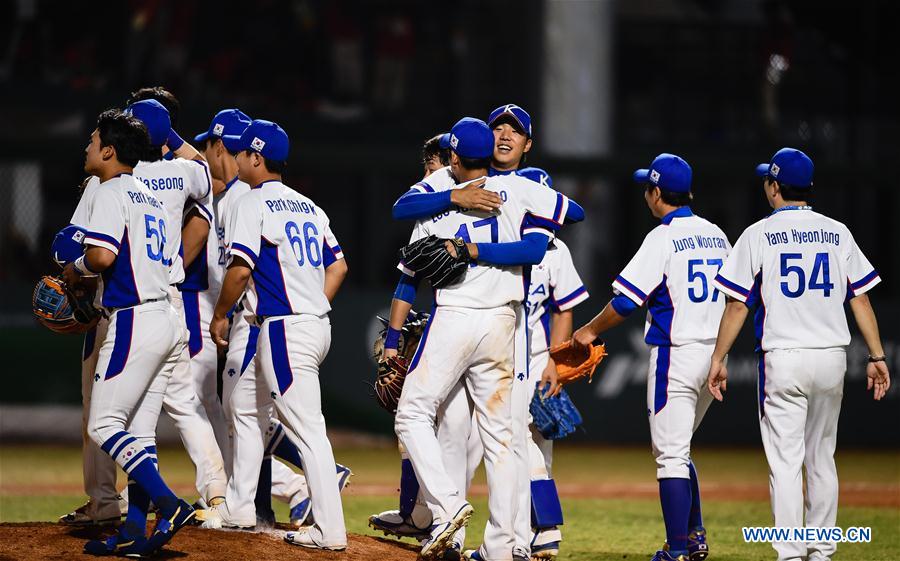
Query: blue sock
{"points": [[138, 504], [675, 498], [147, 476], [263, 498], [695, 520], [409, 488], [287, 451]]}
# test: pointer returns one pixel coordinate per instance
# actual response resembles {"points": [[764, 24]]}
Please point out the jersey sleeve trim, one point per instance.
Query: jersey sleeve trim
{"points": [[423, 187], [560, 211], [628, 289], [206, 174], [732, 289], [405, 270], [577, 296], [102, 240], [205, 212], [534, 220], [244, 252], [865, 284]]}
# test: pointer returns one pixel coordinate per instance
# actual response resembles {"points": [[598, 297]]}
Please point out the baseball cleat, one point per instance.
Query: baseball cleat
{"points": [[442, 534], [166, 528], [300, 512], [473, 555], [664, 555], [80, 517], [344, 474], [698, 550], [209, 519], [304, 539], [545, 551], [393, 524], [120, 545]]}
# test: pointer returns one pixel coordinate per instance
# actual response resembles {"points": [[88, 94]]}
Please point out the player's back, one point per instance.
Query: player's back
{"points": [[290, 241], [128, 219], [174, 183], [807, 264], [526, 207]]}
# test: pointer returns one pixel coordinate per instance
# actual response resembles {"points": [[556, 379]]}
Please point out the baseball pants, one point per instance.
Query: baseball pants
{"points": [[476, 345], [800, 402], [289, 352], [187, 412], [677, 400]]}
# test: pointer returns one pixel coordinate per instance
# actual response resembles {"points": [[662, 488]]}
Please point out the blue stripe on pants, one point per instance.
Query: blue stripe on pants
{"points": [[661, 391], [280, 360], [192, 320], [122, 344]]}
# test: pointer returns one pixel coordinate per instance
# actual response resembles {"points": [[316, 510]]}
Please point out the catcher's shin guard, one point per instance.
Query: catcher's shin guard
{"points": [[546, 510]]}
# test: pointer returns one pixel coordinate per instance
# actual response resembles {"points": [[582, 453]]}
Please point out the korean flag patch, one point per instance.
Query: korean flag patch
{"points": [[453, 141], [773, 170], [257, 144], [654, 176], [218, 129]]}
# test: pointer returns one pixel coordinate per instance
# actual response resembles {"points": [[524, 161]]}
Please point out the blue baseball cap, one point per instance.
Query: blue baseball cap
{"points": [[668, 172], [519, 117], [789, 166], [537, 175], [471, 138], [264, 137], [226, 122], [154, 116], [68, 245]]}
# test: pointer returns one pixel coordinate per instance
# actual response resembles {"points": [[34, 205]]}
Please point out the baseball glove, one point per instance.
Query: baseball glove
{"points": [[392, 371], [430, 259], [574, 364], [63, 310], [554, 417]]}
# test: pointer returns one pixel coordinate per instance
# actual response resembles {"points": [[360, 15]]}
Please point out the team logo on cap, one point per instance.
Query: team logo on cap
{"points": [[257, 144], [218, 129], [773, 170], [453, 141], [654, 176]]}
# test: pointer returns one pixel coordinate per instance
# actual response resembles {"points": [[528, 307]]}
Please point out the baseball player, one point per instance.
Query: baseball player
{"points": [[434, 155], [800, 267], [488, 302], [672, 272], [125, 246], [284, 242], [184, 187], [219, 144]]}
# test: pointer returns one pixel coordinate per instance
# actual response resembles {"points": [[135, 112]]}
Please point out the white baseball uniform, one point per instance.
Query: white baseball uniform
{"points": [[486, 352], [673, 272], [178, 184], [143, 342], [287, 241], [249, 414], [800, 267], [99, 469]]}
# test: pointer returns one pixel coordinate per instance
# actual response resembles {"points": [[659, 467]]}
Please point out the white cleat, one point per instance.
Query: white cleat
{"points": [[303, 538]]}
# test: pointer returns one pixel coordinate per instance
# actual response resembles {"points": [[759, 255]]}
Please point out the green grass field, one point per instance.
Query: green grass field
{"points": [[609, 502]]}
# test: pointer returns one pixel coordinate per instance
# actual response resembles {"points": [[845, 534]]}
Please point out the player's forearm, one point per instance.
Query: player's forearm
{"points": [[233, 287], [867, 323], [334, 278], [194, 236], [561, 327], [732, 320], [399, 311], [182, 149], [529, 250], [98, 259], [607, 319], [413, 205]]}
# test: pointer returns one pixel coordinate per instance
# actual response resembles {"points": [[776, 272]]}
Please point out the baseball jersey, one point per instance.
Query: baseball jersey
{"points": [[127, 219], [555, 287], [175, 183], [85, 203], [673, 271], [439, 180], [805, 266], [527, 207], [288, 243]]}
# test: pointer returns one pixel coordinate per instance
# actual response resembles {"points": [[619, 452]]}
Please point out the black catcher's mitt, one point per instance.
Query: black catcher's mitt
{"points": [[431, 260]]}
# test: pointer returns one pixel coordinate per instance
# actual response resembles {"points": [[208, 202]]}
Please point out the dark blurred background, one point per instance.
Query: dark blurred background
{"points": [[360, 85]]}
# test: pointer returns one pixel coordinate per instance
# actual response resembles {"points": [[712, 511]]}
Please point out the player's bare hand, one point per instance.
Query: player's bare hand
{"points": [[70, 275], [878, 378], [717, 381], [584, 337], [474, 197], [218, 330], [388, 353], [549, 385]]}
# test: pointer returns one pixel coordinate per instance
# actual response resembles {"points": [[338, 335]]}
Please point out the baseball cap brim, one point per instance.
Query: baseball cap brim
{"points": [[444, 142], [510, 117], [642, 176], [202, 136], [232, 142], [762, 169]]}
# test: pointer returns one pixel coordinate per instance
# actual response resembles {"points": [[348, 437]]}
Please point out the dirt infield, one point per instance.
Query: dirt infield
{"points": [[43, 540]]}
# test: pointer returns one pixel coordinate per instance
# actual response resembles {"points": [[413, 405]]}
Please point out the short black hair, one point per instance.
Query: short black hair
{"points": [[126, 134], [166, 98], [474, 163], [672, 198], [272, 166], [211, 140], [432, 148], [794, 193]]}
